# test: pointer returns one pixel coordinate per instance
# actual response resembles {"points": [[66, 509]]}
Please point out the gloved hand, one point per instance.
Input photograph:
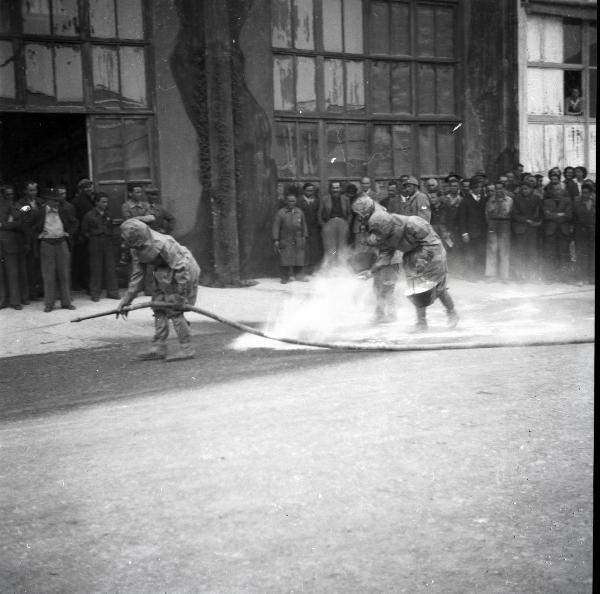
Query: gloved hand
{"points": [[420, 265]]}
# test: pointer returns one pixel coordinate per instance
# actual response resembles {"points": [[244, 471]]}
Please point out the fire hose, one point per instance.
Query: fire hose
{"points": [[345, 346]]}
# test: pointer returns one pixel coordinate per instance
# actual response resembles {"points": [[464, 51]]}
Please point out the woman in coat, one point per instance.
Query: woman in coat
{"points": [[289, 239]]}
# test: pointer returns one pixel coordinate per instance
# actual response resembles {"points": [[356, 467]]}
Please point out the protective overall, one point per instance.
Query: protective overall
{"points": [[176, 275]]}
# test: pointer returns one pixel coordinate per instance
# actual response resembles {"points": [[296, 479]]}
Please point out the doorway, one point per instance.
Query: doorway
{"points": [[50, 149]]}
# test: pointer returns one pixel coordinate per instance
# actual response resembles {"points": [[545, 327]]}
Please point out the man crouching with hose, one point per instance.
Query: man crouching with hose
{"points": [[424, 256], [176, 275]]}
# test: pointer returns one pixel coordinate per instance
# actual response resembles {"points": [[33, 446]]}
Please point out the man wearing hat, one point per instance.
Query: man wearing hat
{"points": [[417, 203], [56, 226], [473, 229], [424, 257], [176, 276], [164, 221]]}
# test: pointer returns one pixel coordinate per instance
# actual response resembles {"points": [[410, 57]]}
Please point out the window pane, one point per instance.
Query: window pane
{"points": [[129, 18], [401, 88], [7, 70], [332, 25], [446, 149], [572, 41], [109, 151], [36, 16], [400, 42], [402, 150], [380, 87], [593, 37], [285, 149], [39, 74], [592, 148], [357, 149], [355, 86], [5, 24], [545, 91], [574, 144], [425, 31], [426, 89], [133, 76], [304, 24], [333, 71], [136, 149], [305, 85], [65, 17], [353, 26], [105, 69], [444, 89], [379, 23], [309, 150], [283, 83], [552, 39], [593, 90], [336, 150], [102, 18], [281, 23], [444, 32], [382, 151], [427, 151], [69, 82]]}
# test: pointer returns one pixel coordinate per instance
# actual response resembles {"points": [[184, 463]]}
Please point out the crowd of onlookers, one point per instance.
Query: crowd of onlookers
{"points": [[52, 244], [520, 227]]}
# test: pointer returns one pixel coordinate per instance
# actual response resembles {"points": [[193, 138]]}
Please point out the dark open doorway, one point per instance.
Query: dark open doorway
{"points": [[50, 149]]}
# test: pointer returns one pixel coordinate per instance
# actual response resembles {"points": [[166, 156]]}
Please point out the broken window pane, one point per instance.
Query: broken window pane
{"points": [[304, 24], [285, 149], [572, 41], [69, 82], [444, 96], [446, 150], [305, 85], [353, 26], [426, 88], [133, 76], [401, 101], [334, 85], [129, 19], [427, 151], [65, 17], [105, 69], [136, 149], [109, 150], [332, 25], [379, 28], [355, 86], [402, 150], [336, 150], [102, 18], [309, 150], [381, 155], [444, 32], [36, 16], [39, 74], [281, 23], [425, 36], [380, 87], [7, 70], [357, 149], [400, 42], [283, 83]]}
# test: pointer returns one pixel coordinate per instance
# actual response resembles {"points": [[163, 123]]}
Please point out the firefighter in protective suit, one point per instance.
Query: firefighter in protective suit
{"points": [[176, 275], [424, 257]]}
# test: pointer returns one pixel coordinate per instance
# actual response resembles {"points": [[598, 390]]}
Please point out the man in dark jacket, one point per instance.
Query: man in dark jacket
{"points": [[584, 219], [557, 213], [334, 217], [309, 204], [473, 229], [56, 227], [526, 222], [30, 205], [82, 202]]}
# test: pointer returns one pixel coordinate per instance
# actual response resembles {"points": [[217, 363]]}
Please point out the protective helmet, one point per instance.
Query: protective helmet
{"points": [[363, 206], [142, 239]]}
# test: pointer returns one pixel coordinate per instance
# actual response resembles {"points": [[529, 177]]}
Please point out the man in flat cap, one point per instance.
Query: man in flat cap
{"points": [[417, 203]]}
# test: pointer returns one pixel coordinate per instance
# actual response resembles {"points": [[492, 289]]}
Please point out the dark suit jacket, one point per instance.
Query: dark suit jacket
{"points": [[471, 217], [68, 218]]}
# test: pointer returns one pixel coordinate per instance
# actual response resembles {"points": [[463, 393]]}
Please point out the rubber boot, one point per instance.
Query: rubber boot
{"points": [[185, 349], [158, 349], [448, 303], [421, 325]]}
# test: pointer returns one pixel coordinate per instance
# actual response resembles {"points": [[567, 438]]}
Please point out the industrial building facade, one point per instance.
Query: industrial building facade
{"points": [[221, 103]]}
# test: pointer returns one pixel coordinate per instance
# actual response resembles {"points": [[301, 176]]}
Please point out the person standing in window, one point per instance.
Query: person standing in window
{"points": [[574, 103], [334, 217]]}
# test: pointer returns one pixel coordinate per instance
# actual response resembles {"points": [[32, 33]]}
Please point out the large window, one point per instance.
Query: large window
{"points": [[561, 92], [364, 88]]}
